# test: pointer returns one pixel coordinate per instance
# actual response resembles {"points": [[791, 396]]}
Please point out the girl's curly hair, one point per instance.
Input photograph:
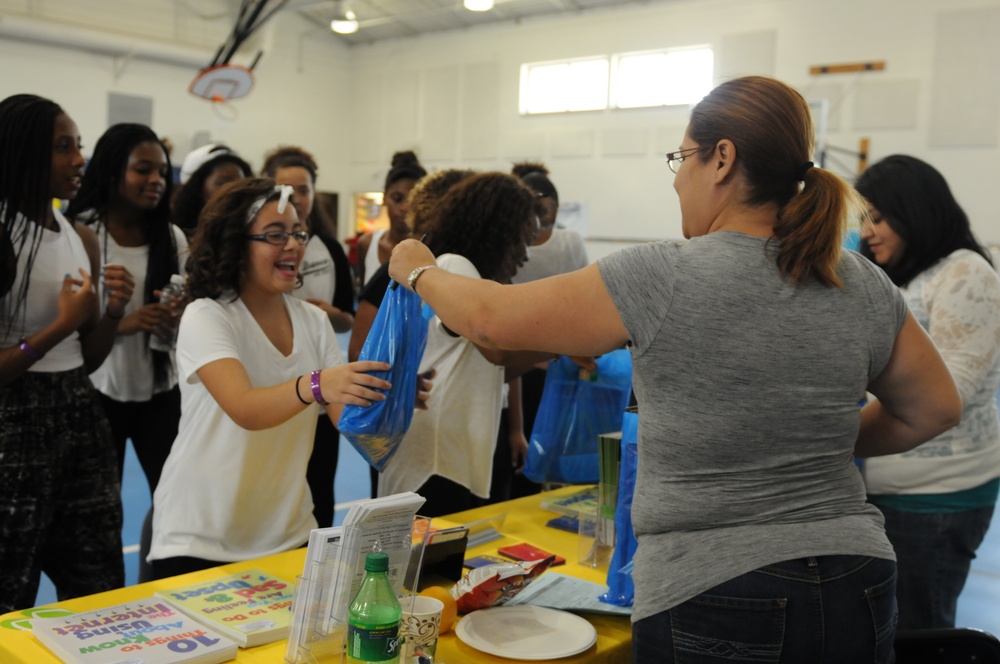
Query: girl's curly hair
{"points": [[490, 219], [219, 250], [428, 192]]}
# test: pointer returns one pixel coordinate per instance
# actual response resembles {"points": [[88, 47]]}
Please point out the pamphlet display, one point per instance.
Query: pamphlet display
{"points": [[334, 570]]}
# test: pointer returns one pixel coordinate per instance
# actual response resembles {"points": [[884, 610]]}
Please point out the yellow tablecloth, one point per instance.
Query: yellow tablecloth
{"points": [[524, 522]]}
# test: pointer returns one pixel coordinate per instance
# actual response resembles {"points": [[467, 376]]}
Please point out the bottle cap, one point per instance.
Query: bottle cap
{"points": [[377, 561], [177, 279]]}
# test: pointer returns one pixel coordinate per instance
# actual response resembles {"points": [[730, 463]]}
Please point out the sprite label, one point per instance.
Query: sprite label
{"points": [[373, 643]]}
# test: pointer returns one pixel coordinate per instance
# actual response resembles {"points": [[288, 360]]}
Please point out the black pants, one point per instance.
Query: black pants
{"points": [[152, 426], [60, 498], [322, 470], [445, 497]]}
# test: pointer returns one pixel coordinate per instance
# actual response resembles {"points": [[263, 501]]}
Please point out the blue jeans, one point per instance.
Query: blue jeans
{"points": [[934, 552], [830, 609]]}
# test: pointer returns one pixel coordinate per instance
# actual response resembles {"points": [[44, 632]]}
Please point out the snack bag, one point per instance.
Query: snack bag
{"points": [[492, 585]]}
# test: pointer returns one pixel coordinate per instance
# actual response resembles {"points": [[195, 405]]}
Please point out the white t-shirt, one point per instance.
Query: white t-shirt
{"points": [[58, 254], [563, 252], [454, 438], [127, 373], [319, 278], [227, 493], [372, 261]]}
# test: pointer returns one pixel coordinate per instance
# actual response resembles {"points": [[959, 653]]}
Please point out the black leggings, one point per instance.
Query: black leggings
{"points": [[152, 426]]}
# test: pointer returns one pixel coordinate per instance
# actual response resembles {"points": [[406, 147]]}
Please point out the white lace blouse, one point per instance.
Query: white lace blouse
{"points": [[957, 301]]}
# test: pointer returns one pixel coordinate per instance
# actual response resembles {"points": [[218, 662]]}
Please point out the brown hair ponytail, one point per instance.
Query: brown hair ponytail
{"points": [[811, 228], [771, 127]]}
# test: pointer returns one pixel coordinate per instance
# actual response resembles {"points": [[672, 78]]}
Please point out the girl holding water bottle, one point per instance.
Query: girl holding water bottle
{"points": [[125, 197]]}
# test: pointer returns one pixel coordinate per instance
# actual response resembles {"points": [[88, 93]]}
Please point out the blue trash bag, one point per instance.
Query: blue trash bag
{"points": [[397, 336], [621, 591], [575, 410]]}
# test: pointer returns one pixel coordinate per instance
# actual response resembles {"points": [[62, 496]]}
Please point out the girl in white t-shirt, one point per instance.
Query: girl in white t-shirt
{"points": [[481, 229], [253, 360], [60, 503], [125, 198]]}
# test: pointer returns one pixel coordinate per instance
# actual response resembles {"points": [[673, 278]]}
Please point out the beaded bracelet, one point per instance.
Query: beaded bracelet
{"points": [[317, 393], [28, 350], [297, 392]]}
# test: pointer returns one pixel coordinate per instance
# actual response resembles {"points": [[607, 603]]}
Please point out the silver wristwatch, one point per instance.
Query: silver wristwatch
{"points": [[412, 279]]}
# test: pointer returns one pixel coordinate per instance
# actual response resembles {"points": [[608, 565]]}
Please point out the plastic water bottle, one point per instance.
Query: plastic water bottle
{"points": [[374, 616], [171, 295]]}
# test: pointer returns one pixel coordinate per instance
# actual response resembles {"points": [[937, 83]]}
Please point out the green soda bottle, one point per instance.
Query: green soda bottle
{"points": [[374, 615]]}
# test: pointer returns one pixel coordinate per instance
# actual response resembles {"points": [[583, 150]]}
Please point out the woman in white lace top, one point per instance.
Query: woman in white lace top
{"points": [[938, 498]]}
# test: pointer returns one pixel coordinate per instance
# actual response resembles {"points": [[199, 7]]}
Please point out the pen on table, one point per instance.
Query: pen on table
{"points": [[395, 284]]}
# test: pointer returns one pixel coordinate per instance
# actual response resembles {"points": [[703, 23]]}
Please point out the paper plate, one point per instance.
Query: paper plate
{"points": [[526, 632]]}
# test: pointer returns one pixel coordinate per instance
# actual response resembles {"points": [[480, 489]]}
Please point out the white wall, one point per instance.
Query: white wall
{"points": [[454, 96], [297, 98]]}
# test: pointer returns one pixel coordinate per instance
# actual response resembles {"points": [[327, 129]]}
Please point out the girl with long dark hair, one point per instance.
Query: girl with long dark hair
{"points": [[60, 502], [937, 499], [125, 198]]}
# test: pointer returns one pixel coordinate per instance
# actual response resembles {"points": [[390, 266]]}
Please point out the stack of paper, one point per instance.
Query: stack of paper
{"points": [[381, 524]]}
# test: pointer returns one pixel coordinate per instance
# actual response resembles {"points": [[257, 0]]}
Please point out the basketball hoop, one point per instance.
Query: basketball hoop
{"points": [[222, 82]]}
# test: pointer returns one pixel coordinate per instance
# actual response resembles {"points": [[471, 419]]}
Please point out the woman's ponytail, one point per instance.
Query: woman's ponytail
{"points": [[811, 228]]}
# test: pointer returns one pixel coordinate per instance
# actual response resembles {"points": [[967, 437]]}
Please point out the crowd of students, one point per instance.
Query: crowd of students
{"points": [[753, 341]]}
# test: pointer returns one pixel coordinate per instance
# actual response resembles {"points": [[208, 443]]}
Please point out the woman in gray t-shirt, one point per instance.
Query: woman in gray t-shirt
{"points": [[752, 343]]}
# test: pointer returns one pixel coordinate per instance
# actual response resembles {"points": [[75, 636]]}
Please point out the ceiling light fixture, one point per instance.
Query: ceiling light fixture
{"points": [[344, 21], [478, 5]]}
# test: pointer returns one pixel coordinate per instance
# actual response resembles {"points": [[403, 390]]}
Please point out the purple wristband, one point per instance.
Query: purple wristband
{"points": [[317, 393], [29, 351]]}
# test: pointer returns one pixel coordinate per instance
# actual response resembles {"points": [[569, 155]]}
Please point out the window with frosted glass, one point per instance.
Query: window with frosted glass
{"points": [[662, 78], [572, 85]]}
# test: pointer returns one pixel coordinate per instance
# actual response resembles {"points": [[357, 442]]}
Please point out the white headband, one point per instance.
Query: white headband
{"points": [[286, 192]]}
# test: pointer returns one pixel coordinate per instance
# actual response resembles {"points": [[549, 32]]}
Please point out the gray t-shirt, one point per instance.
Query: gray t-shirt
{"points": [[748, 389]]}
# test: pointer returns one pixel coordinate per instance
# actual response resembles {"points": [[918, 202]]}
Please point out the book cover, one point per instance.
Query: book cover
{"points": [[250, 607], [149, 630], [528, 552], [587, 499]]}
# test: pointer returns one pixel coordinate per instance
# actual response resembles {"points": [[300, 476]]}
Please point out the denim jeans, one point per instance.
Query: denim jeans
{"points": [[830, 609], [934, 552]]}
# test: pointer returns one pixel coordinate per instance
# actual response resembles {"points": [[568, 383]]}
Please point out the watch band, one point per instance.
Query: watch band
{"points": [[411, 280]]}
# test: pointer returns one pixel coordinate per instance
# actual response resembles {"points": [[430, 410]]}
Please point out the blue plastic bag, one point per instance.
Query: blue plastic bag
{"points": [[397, 336], [575, 409], [621, 590]]}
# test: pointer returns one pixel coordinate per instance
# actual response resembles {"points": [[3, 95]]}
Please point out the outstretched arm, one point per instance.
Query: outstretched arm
{"points": [[257, 408], [571, 314]]}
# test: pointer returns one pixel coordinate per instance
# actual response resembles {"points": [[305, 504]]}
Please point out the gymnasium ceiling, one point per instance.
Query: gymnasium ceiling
{"points": [[381, 20]]}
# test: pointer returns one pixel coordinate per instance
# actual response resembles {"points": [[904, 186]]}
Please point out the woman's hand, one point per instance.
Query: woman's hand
{"points": [[518, 450], [352, 383], [77, 299], [154, 318], [424, 386], [406, 257], [118, 286]]}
